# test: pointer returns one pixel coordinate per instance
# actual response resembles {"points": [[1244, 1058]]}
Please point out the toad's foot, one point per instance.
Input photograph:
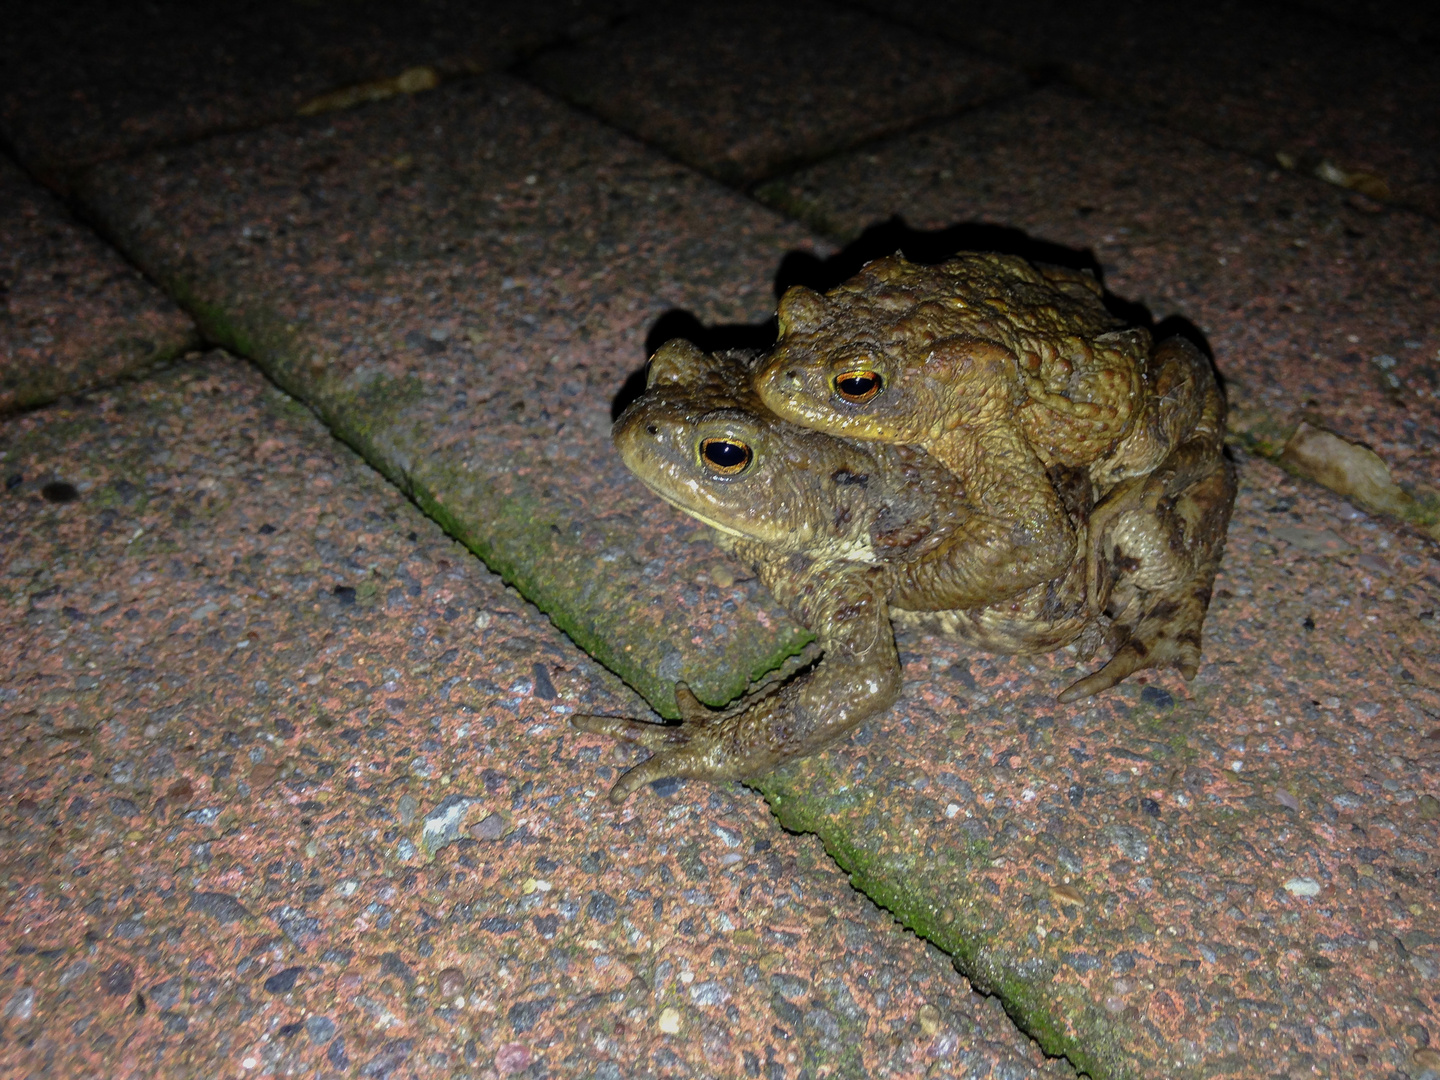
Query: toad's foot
{"points": [[689, 748], [1167, 635]]}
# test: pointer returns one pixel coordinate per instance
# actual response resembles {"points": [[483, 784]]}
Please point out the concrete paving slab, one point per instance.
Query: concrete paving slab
{"points": [[1125, 997], [741, 90], [74, 314], [1350, 102], [245, 682], [88, 80], [1315, 302], [459, 283], [1217, 915], [1234, 878]]}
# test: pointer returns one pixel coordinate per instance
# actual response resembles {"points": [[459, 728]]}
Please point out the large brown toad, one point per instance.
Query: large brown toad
{"points": [[998, 369], [845, 535], [1012, 374]]}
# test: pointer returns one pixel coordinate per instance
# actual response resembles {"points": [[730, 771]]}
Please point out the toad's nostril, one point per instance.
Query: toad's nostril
{"points": [[652, 429], [793, 376]]}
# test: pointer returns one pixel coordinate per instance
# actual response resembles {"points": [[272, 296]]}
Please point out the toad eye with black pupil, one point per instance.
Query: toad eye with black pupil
{"points": [[727, 457], [858, 387]]}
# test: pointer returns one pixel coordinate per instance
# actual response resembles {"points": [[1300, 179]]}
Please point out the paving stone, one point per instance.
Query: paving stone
{"points": [[466, 318], [1208, 880], [1267, 79], [740, 90], [176, 637], [1315, 302], [89, 80], [1169, 881], [74, 315], [1106, 982]]}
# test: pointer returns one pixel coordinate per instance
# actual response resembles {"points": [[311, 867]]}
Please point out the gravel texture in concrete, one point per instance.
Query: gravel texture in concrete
{"points": [[73, 314], [1234, 878], [89, 80], [287, 788], [741, 90], [1352, 103], [1099, 867], [461, 283]]}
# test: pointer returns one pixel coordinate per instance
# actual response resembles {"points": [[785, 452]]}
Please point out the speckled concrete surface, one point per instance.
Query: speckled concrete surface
{"points": [[1235, 878], [1314, 300], [741, 89], [72, 313], [244, 680], [460, 282], [88, 80], [1263, 78]]}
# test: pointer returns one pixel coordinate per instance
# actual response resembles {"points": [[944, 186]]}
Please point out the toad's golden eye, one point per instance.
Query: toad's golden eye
{"points": [[728, 457], [858, 387]]}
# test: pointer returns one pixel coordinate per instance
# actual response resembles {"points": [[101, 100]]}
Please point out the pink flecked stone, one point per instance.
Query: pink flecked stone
{"points": [[740, 89], [75, 315], [466, 317], [1263, 79], [91, 80], [239, 673]]}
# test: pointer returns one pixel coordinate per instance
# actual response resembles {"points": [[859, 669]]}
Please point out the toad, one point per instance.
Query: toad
{"points": [[1013, 375], [845, 535], [1001, 370]]}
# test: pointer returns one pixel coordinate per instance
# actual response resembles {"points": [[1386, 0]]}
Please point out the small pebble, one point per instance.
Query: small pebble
{"points": [[451, 983]]}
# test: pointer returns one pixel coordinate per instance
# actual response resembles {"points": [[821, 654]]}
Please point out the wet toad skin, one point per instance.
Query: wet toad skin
{"points": [[847, 535], [1158, 533], [1006, 373], [810, 513], [998, 369]]}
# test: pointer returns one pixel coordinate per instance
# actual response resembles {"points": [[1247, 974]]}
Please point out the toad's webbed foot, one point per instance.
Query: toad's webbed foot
{"points": [[858, 676], [684, 749], [1167, 635]]}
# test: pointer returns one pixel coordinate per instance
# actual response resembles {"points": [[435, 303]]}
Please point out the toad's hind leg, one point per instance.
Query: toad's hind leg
{"points": [[1164, 629], [1167, 635]]}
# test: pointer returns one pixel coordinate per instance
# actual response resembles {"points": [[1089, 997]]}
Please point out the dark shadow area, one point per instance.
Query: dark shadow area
{"points": [[889, 237], [924, 246]]}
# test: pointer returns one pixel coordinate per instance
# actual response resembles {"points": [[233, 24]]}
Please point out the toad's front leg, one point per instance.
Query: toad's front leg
{"points": [[857, 677], [1018, 535]]}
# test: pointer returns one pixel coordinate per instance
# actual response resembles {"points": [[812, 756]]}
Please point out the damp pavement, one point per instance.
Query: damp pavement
{"points": [[75, 313], [290, 789], [289, 786]]}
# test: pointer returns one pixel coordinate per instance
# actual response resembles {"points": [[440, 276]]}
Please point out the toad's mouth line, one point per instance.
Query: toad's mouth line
{"points": [[729, 531], [860, 551]]}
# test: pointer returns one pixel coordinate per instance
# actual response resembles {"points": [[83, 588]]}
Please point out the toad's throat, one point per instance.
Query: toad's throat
{"points": [[861, 551]]}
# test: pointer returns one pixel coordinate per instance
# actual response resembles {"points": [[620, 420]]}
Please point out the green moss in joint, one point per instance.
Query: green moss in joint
{"points": [[1097, 1045]]}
